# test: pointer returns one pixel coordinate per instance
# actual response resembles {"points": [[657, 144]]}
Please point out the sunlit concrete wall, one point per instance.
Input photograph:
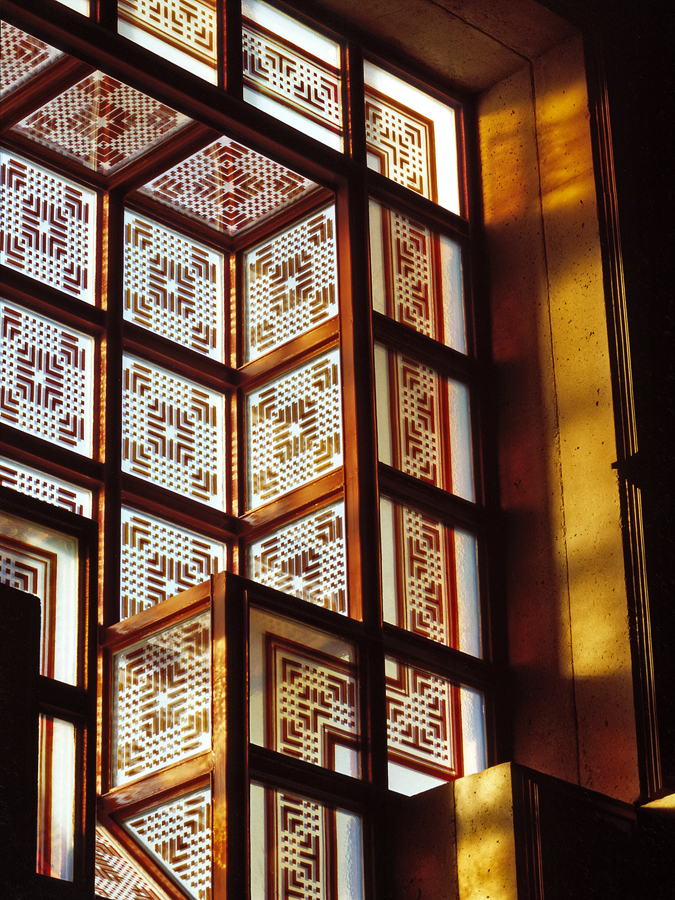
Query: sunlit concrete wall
{"points": [[573, 712]]}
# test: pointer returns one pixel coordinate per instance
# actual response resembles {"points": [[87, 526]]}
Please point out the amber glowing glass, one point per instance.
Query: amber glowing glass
{"points": [[56, 798]]}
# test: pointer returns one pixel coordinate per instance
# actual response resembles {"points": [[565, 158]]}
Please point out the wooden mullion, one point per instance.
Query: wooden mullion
{"points": [[287, 216], [158, 787], [231, 57], [193, 228], [32, 450], [285, 507], [396, 196], [450, 509], [62, 74], [296, 352], [59, 163], [46, 300], [275, 521]]}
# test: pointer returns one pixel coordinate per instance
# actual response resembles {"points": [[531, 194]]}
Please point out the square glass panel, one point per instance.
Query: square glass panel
{"points": [[173, 286], [294, 429], [416, 276], [102, 123], [56, 798], [307, 558], [47, 227], [423, 423], [23, 56], [161, 703], [228, 187], [303, 693], [290, 283], [436, 729], [182, 31], [45, 563], [292, 72], [429, 577], [173, 432], [177, 835], [159, 560], [411, 137], [302, 849], [26, 480]]}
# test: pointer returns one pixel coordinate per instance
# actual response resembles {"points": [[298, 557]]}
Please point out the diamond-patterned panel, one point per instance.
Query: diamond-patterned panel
{"points": [[47, 379], [178, 835], [420, 708], [162, 700], [116, 878], [26, 480], [47, 227], [23, 56], [173, 286], [294, 429], [159, 560], [291, 283], [102, 123], [173, 432], [306, 559], [228, 186]]}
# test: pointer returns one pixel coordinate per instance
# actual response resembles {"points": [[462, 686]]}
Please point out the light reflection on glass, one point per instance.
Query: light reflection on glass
{"points": [[56, 798]]}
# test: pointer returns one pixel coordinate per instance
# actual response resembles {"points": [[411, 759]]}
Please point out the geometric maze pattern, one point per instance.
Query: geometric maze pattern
{"points": [[173, 432], [178, 836], [44, 487], [47, 227], [306, 559], [415, 419], [162, 699], [420, 728], [116, 878], [23, 56], [403, 142], [291, 283], [159, 560], [188, 25], [411, 254], [228, 186], [300, 848], [282, 71], [102, 123], [313, 696], [294, 429], [47, 374], [173, 286], [424, 551]]}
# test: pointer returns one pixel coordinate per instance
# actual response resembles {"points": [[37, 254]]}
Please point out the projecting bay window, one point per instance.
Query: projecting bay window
{"points": [[238, 334]]}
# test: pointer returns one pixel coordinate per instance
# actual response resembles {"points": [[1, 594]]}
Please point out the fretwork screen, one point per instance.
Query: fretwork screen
{"points": [[238, 335]]}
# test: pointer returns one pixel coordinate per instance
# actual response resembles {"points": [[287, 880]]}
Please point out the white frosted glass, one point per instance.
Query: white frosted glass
{"points": [[296, 120], [166, 51], [460, 440], [474, 747], [383, 405], [377, 277], [388, 561], [409, 782], [454, 324], [56, 798], [349, 855], [258, 841], [292, 30], [81, 6], [443, 117], [468, 602], [45, 562]]}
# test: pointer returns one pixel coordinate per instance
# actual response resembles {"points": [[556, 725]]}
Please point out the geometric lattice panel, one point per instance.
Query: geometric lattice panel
{"points": [[421, 711], [302, 849], [159, 560], [294, 69], [227, 186], [314, 699], [291, 283], [186, 26], [402, 141], [306, 559], [26, 480], [47, 379], [102, 123], [116, 878], [23, 56], [178, 835], [294, 429], [47, 227], [173, 286], [162, 699], [173, 432]]}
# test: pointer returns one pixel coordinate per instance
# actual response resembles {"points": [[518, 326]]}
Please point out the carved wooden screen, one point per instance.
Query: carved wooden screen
{"points": [[237, 334]]}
